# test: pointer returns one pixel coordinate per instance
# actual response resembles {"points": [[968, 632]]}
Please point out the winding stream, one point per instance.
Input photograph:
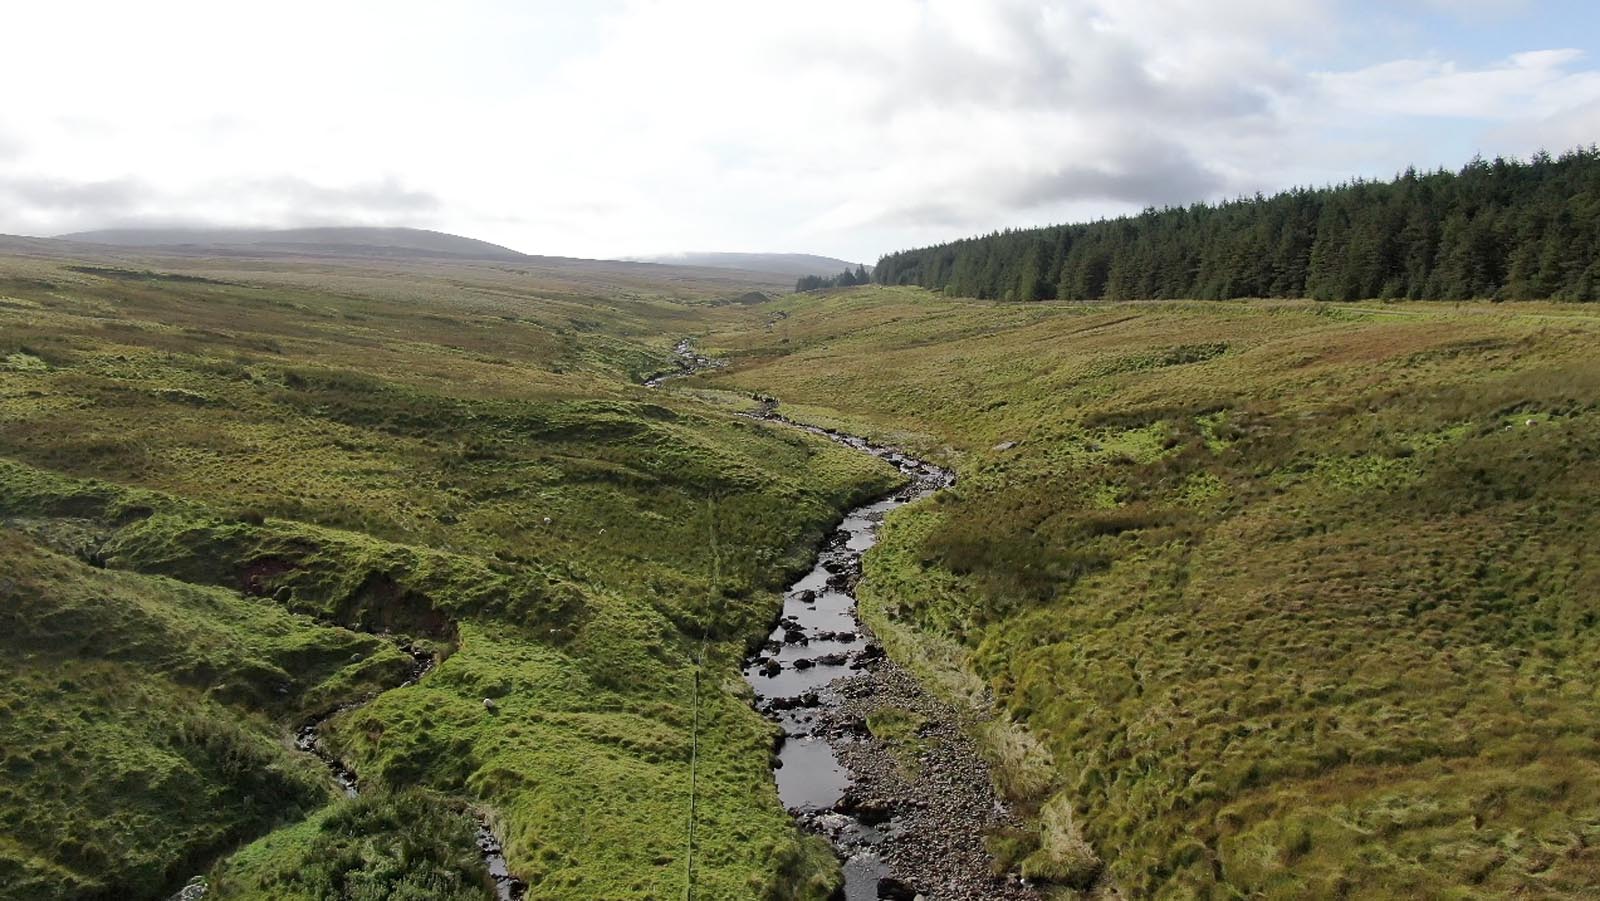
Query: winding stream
{"points": [[689, 362], [907, 816], [819, 638], [309, 739]]}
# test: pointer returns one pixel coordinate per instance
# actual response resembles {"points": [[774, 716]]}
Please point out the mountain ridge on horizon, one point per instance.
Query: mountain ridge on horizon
{"points": [[790, 264], [362, 240], [403, 241]]}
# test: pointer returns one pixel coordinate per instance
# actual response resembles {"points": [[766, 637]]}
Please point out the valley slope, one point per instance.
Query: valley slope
{"points": [[232, 490], [1269, 599], [1278, 599]]}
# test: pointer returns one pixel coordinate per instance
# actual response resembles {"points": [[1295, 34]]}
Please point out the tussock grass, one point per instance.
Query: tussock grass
{"points": [[144, 717], [1299, 600], [408, 844], [457, 456]]}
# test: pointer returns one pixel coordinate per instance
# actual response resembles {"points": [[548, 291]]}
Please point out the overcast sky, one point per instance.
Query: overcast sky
{"points": [[844, 128]]}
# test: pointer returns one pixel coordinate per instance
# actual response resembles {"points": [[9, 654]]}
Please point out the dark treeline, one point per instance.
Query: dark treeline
{"points": [[844, 279], [1506, 229]]}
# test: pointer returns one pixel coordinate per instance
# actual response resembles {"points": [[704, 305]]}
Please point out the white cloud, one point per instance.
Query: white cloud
{"points": [[645, 126], [1478, 9], [1536, 83], [1577, 126]]}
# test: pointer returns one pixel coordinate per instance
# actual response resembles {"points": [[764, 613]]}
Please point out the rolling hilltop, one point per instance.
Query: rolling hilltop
{"points": [[769, 270], [360, 241], [793, 265], [241, 253], [341, 241]]}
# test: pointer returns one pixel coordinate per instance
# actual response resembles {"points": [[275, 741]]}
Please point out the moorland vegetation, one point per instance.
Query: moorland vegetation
{"points": [[230, 495], [1270, 599]]}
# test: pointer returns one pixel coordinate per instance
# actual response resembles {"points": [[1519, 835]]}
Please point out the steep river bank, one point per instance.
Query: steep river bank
{"points": [[308, 739]]}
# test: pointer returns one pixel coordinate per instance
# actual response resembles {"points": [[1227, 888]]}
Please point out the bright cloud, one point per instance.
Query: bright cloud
{"points": [[1532, 84], [648, 126]]}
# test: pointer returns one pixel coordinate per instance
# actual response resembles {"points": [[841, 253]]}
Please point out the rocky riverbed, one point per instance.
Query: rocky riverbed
{"points": [[870, 759], [931, 784], [906, 805], [688, 360]]}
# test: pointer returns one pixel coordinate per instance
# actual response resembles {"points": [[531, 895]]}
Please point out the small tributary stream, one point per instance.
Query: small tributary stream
{"points": [[308, 738]]}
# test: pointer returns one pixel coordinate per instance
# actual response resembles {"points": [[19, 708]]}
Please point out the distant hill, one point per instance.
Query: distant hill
{"points": [[209, 252], [792, 265], [418, 243], [353, 241]]}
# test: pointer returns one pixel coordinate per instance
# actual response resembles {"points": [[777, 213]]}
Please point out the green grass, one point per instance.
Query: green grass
{"points": [[1270, 599], [408, 845], [456, 455], [1310, 614], [143, 721], [898, 728]]}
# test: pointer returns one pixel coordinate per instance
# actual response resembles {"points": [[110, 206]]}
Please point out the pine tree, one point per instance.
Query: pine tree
{"points": [[1501, 228]]}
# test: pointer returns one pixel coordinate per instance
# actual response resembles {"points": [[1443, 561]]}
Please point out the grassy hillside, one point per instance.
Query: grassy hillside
{"points": [[1275, 599], [211, 473], [1295, 600], [140, 718]]}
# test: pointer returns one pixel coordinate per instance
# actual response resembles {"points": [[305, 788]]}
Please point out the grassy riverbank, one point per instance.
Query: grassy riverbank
{"points": [[256, 464], [1297, 600]]}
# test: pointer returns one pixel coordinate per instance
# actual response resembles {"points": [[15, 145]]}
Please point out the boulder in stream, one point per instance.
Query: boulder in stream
{"points": [[892, 889]]}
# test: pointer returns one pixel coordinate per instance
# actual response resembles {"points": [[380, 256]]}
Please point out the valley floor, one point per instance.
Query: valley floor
{"points": [[1274, 599]]}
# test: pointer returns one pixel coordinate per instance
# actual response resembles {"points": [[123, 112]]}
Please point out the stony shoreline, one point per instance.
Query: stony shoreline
{"points": [[934, 789], [917, 800]]}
